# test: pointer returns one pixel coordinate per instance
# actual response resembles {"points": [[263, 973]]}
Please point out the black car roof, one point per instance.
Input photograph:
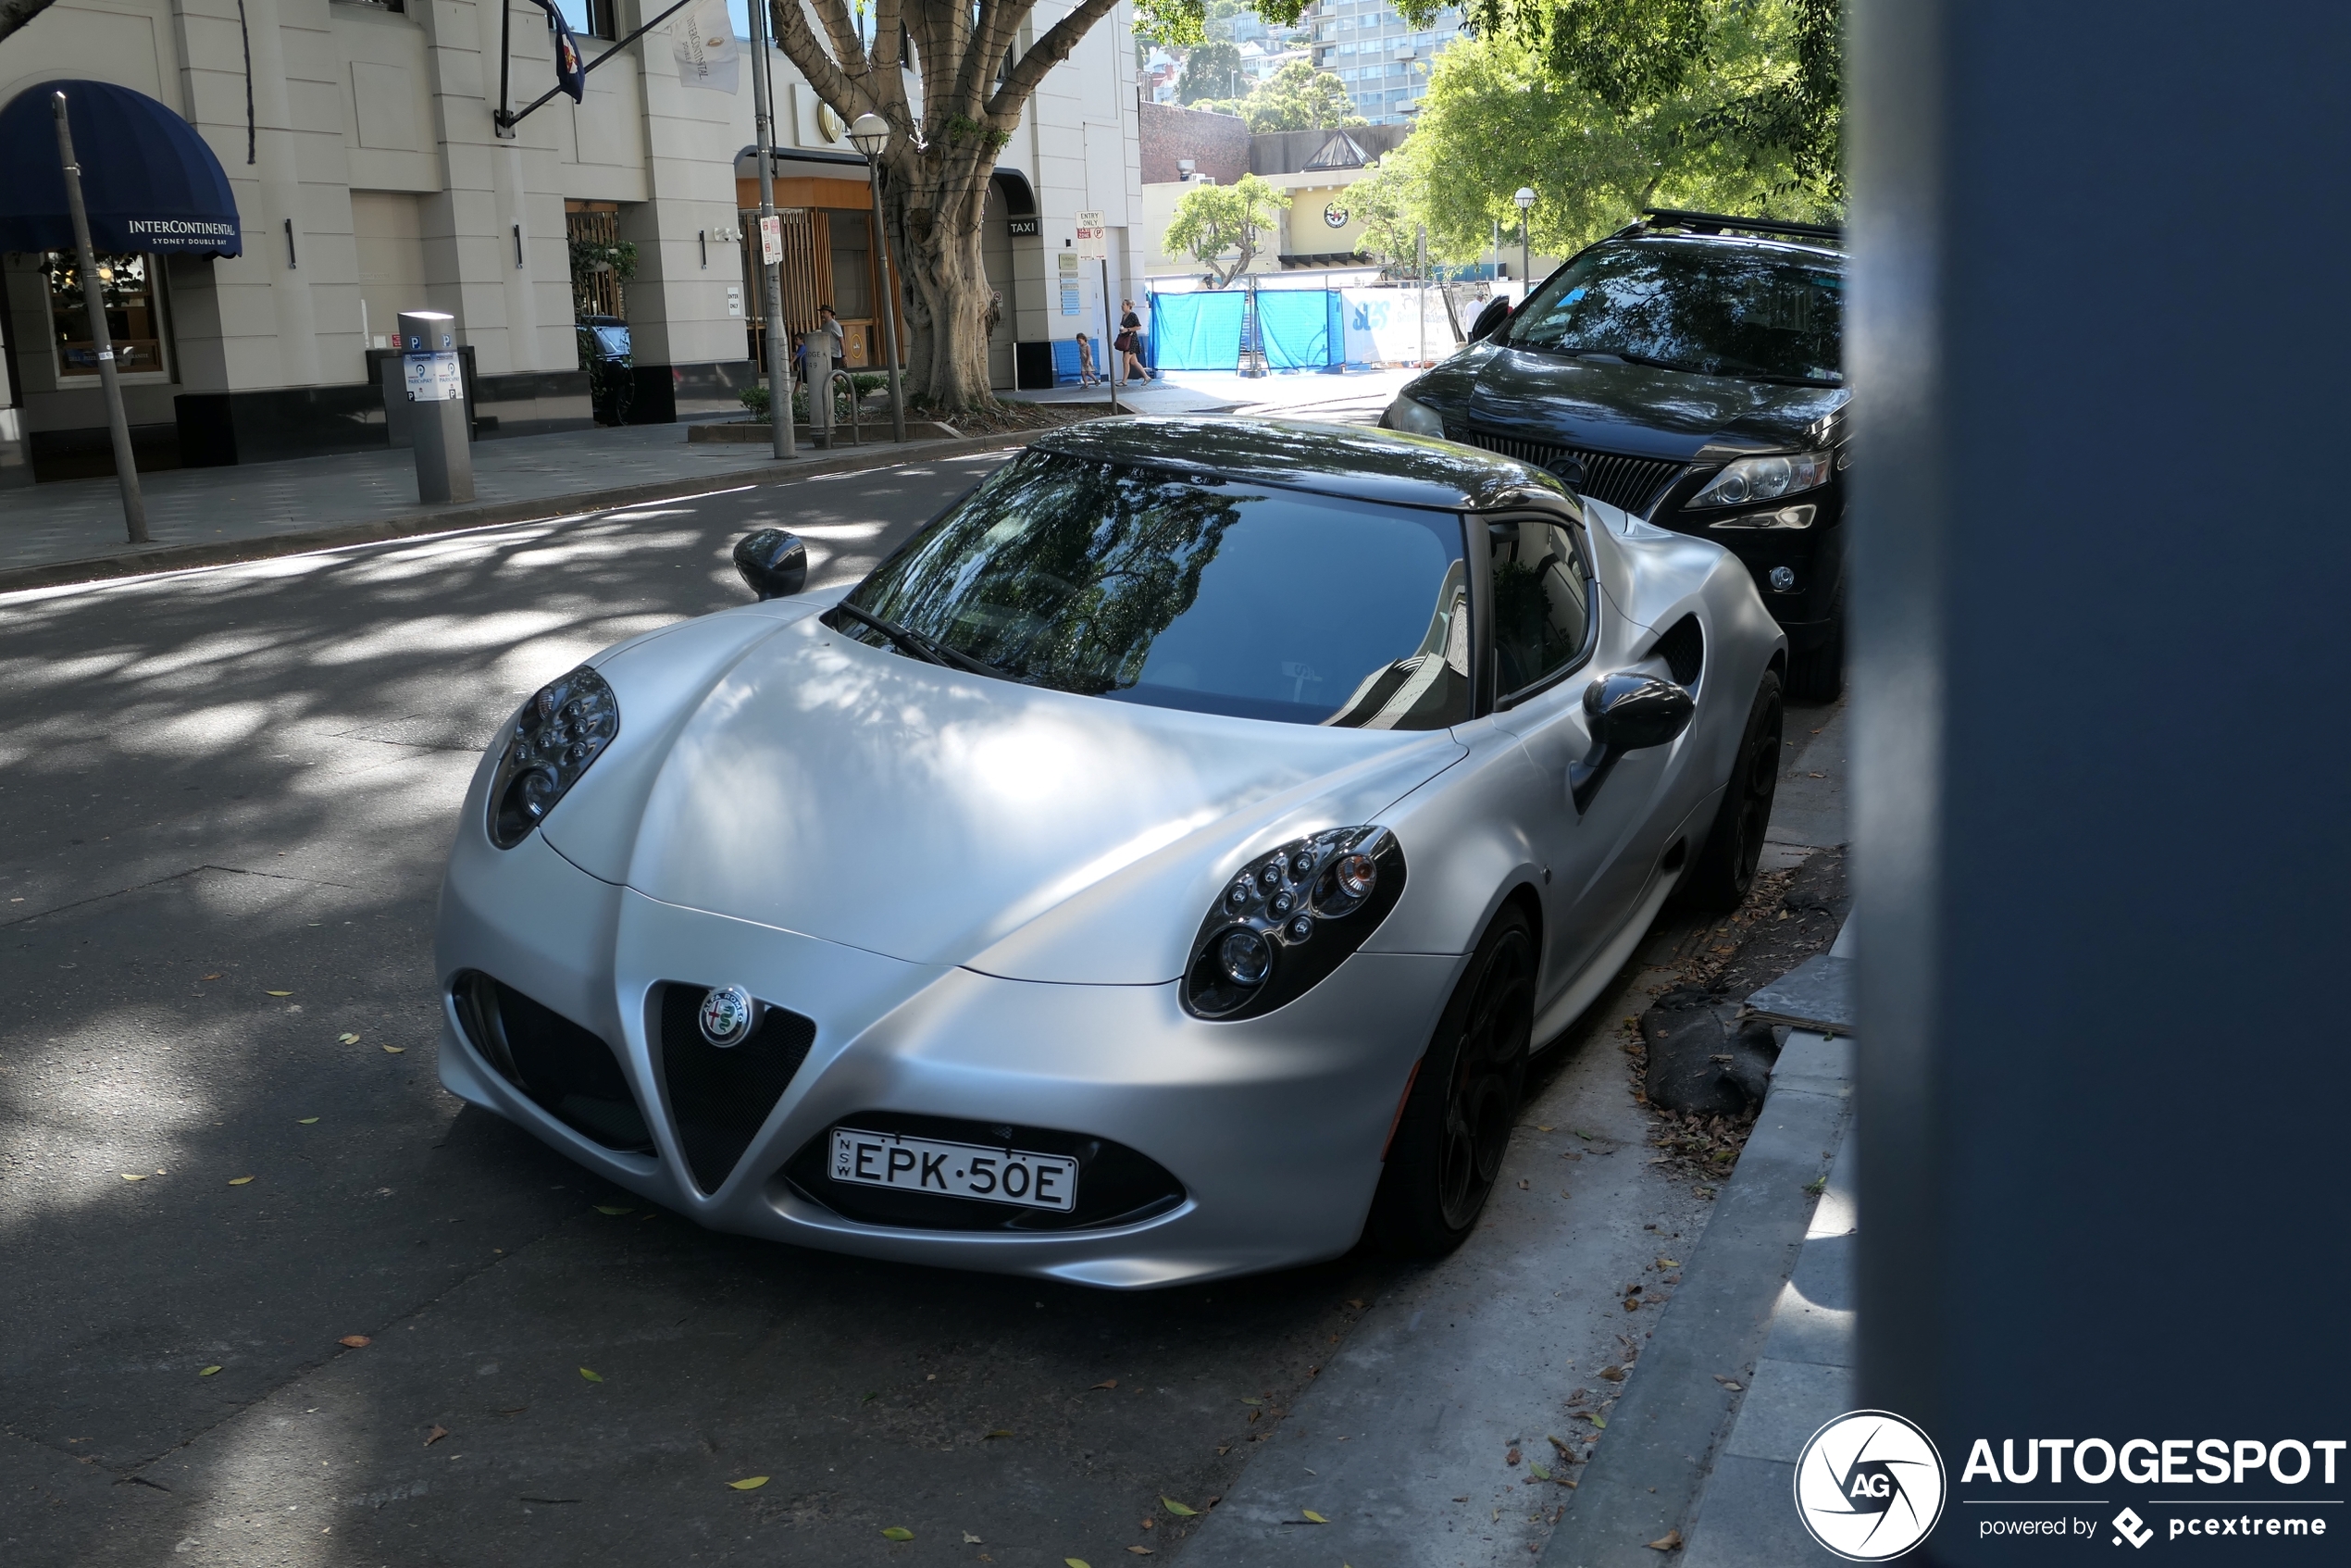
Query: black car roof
{"points": [[1356, 462], [1811, 251]]}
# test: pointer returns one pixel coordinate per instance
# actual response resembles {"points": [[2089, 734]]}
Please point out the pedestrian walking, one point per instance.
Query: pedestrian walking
{"points": [[828, 351], [1129, 345], [1086, 374]]}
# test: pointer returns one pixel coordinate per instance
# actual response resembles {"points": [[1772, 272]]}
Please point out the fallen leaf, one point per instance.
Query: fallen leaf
{"points": [[438, 1432], [753, 1484], [395, 1050], [970, 1540], [1597, 1419], [894, 1533], [1140, 1551], [1357, 1305], [1247, 1400], [611, 1209], [129, 1176], [1511, 1458], [1106, 1383], [1535, 1468], [1524, 1185], [1075, 1563], [355, 1341], [1730, 1383], [1559, 1445], [1177, 1508], [1614, 1373], [1669, 1541], [207, 976], [239, 1181], [1313, 1518], [1668, 1262], [207, 1371], [1000, 1432], [348, 1040], [305, 1121], [592, 1377], [281, 993]]}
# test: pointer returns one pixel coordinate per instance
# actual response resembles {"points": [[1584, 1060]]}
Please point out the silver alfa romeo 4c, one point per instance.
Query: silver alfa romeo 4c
{"points": [[1160, 868]]}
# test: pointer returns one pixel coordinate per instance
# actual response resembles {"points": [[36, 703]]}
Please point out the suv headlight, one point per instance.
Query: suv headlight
{"points": [[1764, 479], [562, 729], [1413, 418], [1288, 918]]}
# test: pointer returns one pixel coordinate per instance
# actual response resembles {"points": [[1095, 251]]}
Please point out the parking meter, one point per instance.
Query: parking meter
{"points": [[433, 387]]}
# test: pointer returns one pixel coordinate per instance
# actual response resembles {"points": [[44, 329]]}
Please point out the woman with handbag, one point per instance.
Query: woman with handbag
{"points": [[1129, 345]]}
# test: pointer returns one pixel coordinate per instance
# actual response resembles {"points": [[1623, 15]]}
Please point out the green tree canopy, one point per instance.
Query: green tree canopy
{"points": [[1211, 70], [1499, 116], [1298, 97], [1213, 219]]}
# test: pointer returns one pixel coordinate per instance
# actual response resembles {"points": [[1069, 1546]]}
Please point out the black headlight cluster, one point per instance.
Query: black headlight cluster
{"points": [[1288, 918], [563, 727]]}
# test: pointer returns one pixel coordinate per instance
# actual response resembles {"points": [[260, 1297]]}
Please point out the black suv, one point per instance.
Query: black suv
{"points": [[1689, 370]]}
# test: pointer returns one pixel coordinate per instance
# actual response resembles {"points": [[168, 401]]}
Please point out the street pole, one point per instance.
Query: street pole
{"points": [[1113, 365], [780, 433], [1524, 197], [94, 295], [1419, 270], [870, 135]]}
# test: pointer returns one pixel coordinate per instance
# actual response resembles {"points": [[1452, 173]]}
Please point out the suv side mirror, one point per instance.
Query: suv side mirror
{"points": [[1497, 311], [1626, 712], [773, 562]]}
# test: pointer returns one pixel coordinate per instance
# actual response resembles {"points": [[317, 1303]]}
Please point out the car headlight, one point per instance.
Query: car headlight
{"points": [[1764, 479], [1288, 918], [1413, 418], [562, 729]]}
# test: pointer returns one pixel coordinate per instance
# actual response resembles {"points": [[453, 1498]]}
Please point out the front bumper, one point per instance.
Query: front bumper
{"points": [[1274, 1126]]}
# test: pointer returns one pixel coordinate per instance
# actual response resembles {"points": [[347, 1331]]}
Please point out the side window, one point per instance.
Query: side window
{"points": [[1541, 609]]}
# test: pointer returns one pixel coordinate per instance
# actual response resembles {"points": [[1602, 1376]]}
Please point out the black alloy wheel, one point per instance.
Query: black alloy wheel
{"points": [[1725, 868], [1464, 1100]]}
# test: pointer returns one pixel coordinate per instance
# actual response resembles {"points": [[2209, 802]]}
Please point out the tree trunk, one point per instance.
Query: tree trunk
{"points": [[935, 210]]}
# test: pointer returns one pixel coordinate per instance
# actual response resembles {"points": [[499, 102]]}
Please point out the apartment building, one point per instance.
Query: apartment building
{"points": [[1383, 59]]}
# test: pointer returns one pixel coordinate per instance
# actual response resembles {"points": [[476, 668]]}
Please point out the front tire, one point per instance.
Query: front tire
{"points": [[1457, 1120], [1725, 868]]}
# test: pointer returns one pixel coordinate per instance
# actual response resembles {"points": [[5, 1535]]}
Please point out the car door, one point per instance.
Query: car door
{"points": [[1543, 607]]}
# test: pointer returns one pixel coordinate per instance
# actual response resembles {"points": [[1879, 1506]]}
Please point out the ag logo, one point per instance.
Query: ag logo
{"points": [[726, 1017], [1869, 1486]]}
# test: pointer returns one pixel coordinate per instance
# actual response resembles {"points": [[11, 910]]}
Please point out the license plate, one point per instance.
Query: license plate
{"points": [[955, 1170]]}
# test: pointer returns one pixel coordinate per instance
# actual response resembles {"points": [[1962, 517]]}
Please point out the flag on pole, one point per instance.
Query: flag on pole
{"points": [[705, 46], [571, 72]]}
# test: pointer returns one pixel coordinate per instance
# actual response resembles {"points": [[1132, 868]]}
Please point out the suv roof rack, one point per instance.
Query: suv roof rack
{"points": [[1715, 222]]}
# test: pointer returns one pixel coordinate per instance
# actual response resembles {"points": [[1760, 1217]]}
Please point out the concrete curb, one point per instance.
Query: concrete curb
{"points": [[1664, 1434], [137, 561]]}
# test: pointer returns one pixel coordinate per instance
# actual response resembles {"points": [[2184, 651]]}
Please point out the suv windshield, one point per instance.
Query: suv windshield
{"points": [[1718, 309], [1187, 592]]}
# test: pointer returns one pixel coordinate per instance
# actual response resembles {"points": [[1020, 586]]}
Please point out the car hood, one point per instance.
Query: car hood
{"points": [[1607, 406], [791, 776]]}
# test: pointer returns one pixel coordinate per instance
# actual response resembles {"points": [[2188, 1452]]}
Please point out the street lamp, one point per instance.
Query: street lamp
{"points": [[1526, 200], [869, 135]]}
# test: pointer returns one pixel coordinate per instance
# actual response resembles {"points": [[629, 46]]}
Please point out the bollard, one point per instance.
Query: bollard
{"points": [[435, 394]]}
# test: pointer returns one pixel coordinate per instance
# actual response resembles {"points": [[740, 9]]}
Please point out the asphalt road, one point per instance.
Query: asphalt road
{"points": [[225, 798]]}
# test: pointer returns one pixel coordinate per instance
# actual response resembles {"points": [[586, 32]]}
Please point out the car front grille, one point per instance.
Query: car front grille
{"points": [[568, 1071], [1630, 482], [720, 1098], [1117, 1186]]}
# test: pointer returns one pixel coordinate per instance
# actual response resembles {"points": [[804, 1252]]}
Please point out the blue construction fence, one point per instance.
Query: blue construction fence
{"points": [[1298, 328]]}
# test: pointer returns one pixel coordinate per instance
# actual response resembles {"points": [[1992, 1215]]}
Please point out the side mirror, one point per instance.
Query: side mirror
{"points": [[1497, 311], [775, 563], [1626, 713]]}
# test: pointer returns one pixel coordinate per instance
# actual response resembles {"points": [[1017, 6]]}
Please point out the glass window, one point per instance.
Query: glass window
{"points": [[853, 266], [1210, 595], [133, 319], [1541, 608], [588, 19], [1759, 311]]}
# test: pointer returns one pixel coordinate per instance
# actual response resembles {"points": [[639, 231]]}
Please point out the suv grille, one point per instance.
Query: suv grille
{"points": [[1630, 482], [720, 1099]]}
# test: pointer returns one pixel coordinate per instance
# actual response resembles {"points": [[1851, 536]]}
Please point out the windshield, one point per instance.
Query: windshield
{"points": [[1186, 591], [1717, 309]]}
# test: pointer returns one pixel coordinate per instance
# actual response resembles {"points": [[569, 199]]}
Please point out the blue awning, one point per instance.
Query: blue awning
{"points": [[148, 179]]}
